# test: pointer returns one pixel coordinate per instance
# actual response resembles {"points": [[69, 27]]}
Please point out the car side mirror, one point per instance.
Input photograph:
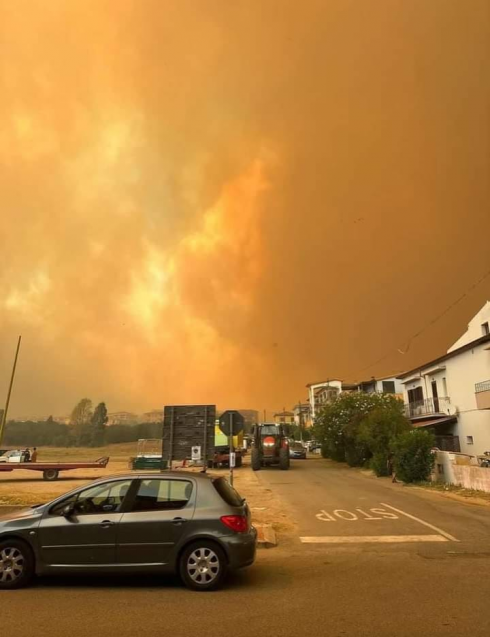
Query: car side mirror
{"points": [[68, 510]]}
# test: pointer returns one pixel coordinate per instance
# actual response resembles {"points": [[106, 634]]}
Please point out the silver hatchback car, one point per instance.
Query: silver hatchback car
{"points": [[175, 522]]}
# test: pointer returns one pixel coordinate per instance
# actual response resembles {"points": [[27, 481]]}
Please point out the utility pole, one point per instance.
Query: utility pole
{"points": [[231, 453], [4, 418], [300, 407]]}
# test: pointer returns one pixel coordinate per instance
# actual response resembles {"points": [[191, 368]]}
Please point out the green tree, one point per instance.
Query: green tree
{"points": [[413, 455], [98, 425], [299, 433], [80, 421], [343, 427]]}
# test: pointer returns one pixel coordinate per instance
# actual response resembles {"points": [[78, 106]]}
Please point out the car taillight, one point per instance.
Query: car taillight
{"points": [[237, 523]]}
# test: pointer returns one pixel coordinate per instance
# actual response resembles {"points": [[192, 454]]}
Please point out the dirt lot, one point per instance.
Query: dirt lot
{"points": [[28, 487]]}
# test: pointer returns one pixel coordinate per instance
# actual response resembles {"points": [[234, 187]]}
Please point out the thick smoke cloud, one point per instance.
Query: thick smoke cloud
{"points": [[221, 201]]}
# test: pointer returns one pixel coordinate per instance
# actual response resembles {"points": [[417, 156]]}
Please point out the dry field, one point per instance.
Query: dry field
{"points": [[28, 487]]}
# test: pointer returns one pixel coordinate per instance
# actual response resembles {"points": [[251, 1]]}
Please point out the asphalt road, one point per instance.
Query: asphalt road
{"points": [[336, 587]]}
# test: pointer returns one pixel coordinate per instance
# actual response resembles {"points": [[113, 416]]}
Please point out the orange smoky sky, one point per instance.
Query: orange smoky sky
{"points": [[222, 201]]}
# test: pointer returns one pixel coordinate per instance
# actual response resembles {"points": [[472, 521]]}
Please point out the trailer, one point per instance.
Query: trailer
{"points": [[51, 470]]}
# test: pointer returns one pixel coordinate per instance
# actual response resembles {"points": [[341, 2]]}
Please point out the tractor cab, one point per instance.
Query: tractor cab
{"points": [[270, 446]]}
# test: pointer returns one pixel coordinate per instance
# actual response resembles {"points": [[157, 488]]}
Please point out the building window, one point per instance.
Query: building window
{"points": [[416, 395], [469, 440], [388, 386], [485, 329]]}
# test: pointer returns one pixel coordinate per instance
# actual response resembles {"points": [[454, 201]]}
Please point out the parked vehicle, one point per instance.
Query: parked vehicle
{"points": [[14, 455], [297, 451], [315, 447], [484, 461], [271, 447], [181, 522]]}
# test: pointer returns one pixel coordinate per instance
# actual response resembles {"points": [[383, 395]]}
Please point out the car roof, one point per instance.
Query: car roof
{"points": [[132, 475]]}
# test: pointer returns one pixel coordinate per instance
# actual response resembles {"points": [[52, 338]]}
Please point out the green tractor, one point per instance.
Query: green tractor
{"points": [[270, 446]]}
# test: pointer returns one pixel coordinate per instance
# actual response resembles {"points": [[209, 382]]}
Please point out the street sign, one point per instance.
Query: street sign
{"points": [[232, 460], [232, 418], [196, 453]]}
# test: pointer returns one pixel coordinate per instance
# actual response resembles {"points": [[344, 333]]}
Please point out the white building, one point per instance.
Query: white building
{"points": [[122, 418], [384, 385], [154, 416], [325, 392], [451, 394]]}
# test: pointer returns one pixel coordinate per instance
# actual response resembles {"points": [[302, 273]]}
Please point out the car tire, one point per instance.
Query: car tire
{"points": [[203, 566], [16, 564], [256, 460], [284, 459]]}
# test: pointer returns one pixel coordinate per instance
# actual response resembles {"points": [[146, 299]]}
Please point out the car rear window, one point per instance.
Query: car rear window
{"points": [[227, 492]]}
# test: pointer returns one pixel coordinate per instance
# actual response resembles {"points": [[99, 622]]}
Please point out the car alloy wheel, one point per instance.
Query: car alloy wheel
{"points": [[203, 566], [12, 563]]}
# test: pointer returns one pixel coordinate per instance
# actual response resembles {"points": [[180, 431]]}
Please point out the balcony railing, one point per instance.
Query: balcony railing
{"points": [[484, 386], [428, 406]]}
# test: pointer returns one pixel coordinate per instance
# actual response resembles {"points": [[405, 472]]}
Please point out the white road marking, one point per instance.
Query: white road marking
{"points": [[430, 526], [371, 539], [324, 517], [349, 516], [352, 516]]}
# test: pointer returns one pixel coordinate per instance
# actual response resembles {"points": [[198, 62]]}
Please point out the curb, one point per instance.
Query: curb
{"points": [[266, 536]]}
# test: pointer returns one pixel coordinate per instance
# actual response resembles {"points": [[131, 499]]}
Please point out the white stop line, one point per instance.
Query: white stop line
{"points": [[375, 514]]}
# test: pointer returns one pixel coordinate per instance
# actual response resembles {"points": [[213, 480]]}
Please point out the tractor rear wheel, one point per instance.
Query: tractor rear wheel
{"points": [[256, 459], [284, 459]]}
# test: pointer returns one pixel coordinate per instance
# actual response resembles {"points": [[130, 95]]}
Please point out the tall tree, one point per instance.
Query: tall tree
{"points": [[98, 425], [80, 419]]}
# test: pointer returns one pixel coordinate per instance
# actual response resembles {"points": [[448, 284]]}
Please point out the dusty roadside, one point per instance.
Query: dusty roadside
{"points": [[25, 488], [437, 489]]}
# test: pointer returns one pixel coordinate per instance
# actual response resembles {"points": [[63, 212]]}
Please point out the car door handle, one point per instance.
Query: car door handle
{"points": [[178, 521], [106, 524]]}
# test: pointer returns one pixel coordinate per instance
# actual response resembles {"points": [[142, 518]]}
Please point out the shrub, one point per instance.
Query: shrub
{"points": [[355, 456], [381, 426], [379, 464], [355, 426], [413, 456]]}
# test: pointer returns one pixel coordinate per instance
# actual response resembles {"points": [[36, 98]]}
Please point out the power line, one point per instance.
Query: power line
{"points": [[430, 323]]}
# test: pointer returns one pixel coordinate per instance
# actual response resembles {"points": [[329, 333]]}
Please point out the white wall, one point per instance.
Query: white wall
{"points": [[463, 372], [474, 330], [462, 471], [398, 385]]}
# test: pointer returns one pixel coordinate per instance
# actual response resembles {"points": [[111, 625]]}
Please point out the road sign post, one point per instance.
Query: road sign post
{"points": [[231, 424]]}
